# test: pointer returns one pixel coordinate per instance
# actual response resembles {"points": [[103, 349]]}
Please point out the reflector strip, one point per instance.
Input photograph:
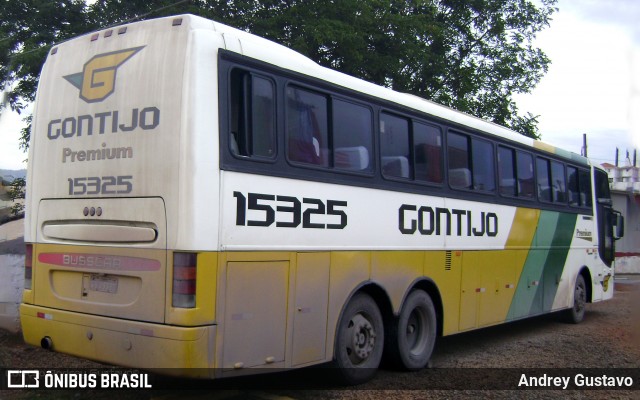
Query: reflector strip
{"points": [[45, 316]]}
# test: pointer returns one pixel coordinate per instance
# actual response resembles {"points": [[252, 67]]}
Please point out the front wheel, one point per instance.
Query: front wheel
{"points": [[575, 314], [359, 340]]}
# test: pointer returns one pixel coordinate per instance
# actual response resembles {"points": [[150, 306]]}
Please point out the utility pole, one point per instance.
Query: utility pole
{"points": [[584, 145]]}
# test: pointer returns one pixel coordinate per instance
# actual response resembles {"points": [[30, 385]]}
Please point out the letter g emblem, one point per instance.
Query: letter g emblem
{"points": [[98, 77]]}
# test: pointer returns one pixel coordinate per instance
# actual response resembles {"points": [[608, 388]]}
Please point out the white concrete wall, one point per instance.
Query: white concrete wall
{"points": [[11, 285], [628, 248], [628, 265], [11, 276]]}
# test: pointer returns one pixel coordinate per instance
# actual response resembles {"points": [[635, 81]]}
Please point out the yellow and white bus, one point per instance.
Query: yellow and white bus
{"points": [[203, 199]]}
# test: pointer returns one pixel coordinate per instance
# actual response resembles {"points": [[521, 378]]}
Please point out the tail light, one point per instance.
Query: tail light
{"points": [[28, 266], [184, 280]]}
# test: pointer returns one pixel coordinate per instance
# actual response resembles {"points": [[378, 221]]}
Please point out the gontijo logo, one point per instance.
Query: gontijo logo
{"points": [[98, 77]]}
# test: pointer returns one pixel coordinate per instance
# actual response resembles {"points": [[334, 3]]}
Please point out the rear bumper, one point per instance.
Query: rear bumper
{"points": [[122, 342]]}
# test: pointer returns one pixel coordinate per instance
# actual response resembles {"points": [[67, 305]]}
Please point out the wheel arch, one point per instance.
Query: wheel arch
{"points": [[380, 296], [586, 274]]}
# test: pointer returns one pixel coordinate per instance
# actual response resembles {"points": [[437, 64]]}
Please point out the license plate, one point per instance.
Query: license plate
{"points": [[105, 284]]}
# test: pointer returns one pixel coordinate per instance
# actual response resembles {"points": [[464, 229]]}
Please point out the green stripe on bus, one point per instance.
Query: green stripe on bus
{"points": [[557, 258], [544, 265]]}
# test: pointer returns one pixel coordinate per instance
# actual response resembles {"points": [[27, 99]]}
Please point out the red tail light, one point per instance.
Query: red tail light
{"points": [[28, 266], [184, 280]]}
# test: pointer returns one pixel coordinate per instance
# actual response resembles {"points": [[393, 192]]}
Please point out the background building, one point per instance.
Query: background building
{"points": [[625, 193]]}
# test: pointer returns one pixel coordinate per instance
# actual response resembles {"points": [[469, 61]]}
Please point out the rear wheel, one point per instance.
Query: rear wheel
{"points": [[359, 340], [414, 333], [575, 314]]}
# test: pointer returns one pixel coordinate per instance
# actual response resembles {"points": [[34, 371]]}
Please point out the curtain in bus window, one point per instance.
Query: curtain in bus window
{"points": [[427, 144], [262, 118], [394, 145], [238, 89], [483, 165], [584, 181], [252, 123], [559, 188], [352, 136], [307, 127], [507, 181], [542, 173], [524, 169], [458, 155], [572, 186]]}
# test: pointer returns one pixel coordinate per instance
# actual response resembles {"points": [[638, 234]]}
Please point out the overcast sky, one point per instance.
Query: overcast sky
{"points": [[592, 87], [593, 83]]}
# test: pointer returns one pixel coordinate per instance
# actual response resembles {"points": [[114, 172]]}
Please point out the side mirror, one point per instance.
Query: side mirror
{"points": [[618, 231]]}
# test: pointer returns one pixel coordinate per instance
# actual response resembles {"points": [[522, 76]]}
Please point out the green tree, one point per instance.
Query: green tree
{"points": [[472, 55], [28, 29], [17, 192]]}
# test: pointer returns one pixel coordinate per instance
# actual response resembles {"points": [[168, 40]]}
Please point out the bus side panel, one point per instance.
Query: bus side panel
{"points": [[445, 269], [309, 310], [255, 313], [487, 287]]}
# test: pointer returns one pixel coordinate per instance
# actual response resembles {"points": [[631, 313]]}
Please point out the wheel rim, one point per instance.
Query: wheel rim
{"points": [[416, 331], [362, 339]]}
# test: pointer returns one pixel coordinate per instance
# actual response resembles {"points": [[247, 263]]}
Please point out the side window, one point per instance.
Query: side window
{"points": [[602, 186], [471, 163], [585, 188], [542, 175], [307, 127], [525, 175], [352, 136], [459, 165], [253, 110], [484, 177], [515, 171], [427, 148], [394, 146], [506, 176], [558, 185], [573, 186]]}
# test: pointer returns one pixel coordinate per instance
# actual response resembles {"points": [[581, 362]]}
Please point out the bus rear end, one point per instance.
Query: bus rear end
{"points": [[106, 277]]}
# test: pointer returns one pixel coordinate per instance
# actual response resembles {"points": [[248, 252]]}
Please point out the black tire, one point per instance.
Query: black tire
{"points": [[414, 332], [359, 341], [575, 314]]}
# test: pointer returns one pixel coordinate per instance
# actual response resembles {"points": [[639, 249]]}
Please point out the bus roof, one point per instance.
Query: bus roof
{"points": [[265, 50]]}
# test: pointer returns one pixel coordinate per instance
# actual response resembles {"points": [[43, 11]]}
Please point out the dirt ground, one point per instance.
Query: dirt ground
{"points": [[607, 341]]}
